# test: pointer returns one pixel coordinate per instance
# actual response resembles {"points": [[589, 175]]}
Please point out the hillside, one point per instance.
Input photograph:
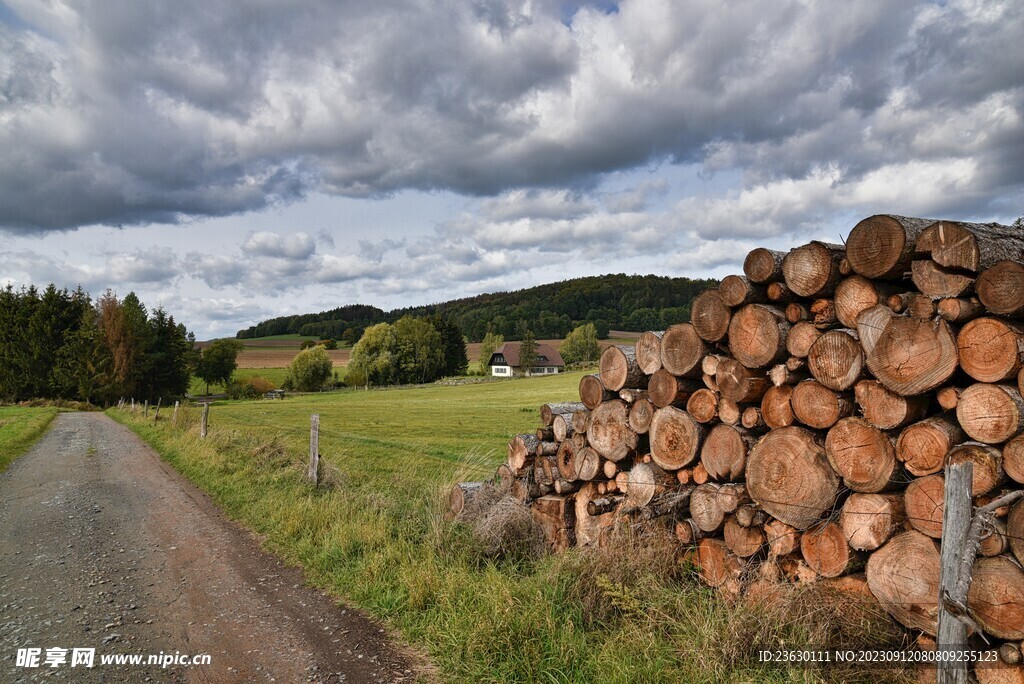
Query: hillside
{"points": [[619, 301]]}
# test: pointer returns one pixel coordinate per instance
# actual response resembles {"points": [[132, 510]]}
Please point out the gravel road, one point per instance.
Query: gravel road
{"points": [[104, 546]]}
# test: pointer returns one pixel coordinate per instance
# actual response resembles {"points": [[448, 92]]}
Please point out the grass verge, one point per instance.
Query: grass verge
{"points": [[375, 537], [20, 428]]}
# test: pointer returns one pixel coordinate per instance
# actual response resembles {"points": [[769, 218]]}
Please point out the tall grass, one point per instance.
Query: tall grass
{"points": [[375, 536], [20, 428]]}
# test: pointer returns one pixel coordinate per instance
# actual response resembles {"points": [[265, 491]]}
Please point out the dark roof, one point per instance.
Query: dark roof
{"points": [[546, 355]]}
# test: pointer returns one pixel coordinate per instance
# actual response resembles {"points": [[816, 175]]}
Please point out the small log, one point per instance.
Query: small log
{"points": [[556, 515], [752, 419], [685, 475], [970, 246], [924, 502], [996, 597], [871, 323], [757, 336], [461, 494], [699, 474], [593, 393], [729, 412], [763, 265], [564, 458], [988, 465], [776, 409], [565, 486], [547, 448], [587, 465], [991, 350], [724, 454], [836, 359], [739, 291], [504, 477], [913, 357], [669, 503], [687, 532], [580, 421], [825, 550], [562, 426], [1001, 288], [1015, 530], [549, 411], [819, 407], [782, 539], [632, 395], [887, 410], [709, 315], [796, 571], [742, 541], [521, 452], [610, 469], [675, 438], [869, 520], [620, 369], [717, 565], [641, 413], [921, 307], [646, 481], [948, 397], [1013, 459], [648, 351], [749, 515], [994, 542], [779, 293], [545, 434], [991, 413], [800, 339], [682, 351], [937, 282], [665, 389], [740, 384], [812, 270], [710, 382], [922, 447], [960, 310], [904, 576], [1010, 653], [857, 293], [863, 455], [579, 440], [790, 478], [709, 364], [823, 314], [882, 246], [609, 433], [706, 508], [703, 406], [797, 312]]}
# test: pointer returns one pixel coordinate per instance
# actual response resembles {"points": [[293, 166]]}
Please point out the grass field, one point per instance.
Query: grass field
{"points": [[20, 428], [375, 536]]}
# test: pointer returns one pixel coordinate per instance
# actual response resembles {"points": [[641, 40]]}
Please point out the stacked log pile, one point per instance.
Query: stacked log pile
{"points": [[797, 427]]}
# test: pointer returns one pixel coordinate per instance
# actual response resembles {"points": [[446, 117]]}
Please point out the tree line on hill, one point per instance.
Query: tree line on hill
{"points": [[619, 302], [59, 344]]}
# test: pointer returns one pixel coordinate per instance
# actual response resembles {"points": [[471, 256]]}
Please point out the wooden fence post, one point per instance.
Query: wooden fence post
{"points": [[956, 524], [156, 416], [206, 416], [313, 474], [145, 409], [133, 404], [174, 417]]}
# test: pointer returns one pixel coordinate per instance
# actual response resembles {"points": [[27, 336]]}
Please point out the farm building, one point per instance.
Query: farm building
{"points": [[505, 361]]}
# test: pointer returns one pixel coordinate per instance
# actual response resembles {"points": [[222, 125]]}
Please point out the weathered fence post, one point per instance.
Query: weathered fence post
{"points": [[174, 417], [956, 525], [156, 416], [206, 417], [145, 409], [313, 474], [133, 404]]}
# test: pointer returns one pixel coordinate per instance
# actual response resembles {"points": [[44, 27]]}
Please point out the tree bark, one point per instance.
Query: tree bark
{"points": [[763, 265], [648, 351], [620, 369], [549, 411], [757, 335], [790, 478], [818, 407], [970, 246], [863, 455], [1001, 288], [922, 447], [904, 576], [665, 389], [592, 391], [675, 438], [609, 433], [836, 359], [869, 520], [724, 453], [682, 351], [913, 357], [882, 246], [709, 316], [990, 349], [991, 414], [812, 270]]}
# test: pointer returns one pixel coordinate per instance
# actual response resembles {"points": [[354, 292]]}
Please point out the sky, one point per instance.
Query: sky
{"points": [[236, 160]]}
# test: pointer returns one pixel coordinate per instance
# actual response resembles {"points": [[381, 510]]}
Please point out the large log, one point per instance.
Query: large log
{"points": [[703, 405], [922, 447], [592, 391], [871, 323], [1015, 530], [564, 458], [589, 529], [887, 410], [763, 265], [757, 335], [937, 282], [863, 455], [646, 481], [836, 359], [925, 503], [682, 350], [857, 293], [904, 576], [609, 433], [718, 567], [789, 476], [648, 351], [883, 246], [869, 520], [738, 291], [988, 465], [825, 550], [724, 454], [675, 438], [740, 384], [1001, 288], [549, 411], [812, 270], [641, 413], [709, 316], [990, 349], [991, 413], [619, 368], [817, 406], [996, 597], [665, 389], [776, 409], [912, 356], [744, 541], [970, 246]]}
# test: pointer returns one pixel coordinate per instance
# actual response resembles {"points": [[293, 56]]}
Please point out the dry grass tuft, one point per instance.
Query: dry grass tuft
{"points": [[507, 531]]}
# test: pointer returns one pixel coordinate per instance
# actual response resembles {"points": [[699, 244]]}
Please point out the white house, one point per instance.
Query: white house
{"points": [[504, 361]]}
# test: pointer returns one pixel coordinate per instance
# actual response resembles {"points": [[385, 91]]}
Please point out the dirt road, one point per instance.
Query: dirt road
{"points": [[104, 546]]}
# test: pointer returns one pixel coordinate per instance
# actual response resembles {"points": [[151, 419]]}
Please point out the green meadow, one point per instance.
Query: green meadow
{"points": [[20, 428]]}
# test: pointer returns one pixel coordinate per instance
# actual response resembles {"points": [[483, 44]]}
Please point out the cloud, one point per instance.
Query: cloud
{"points": [[158, 266], [296, 247], [133, 112]]}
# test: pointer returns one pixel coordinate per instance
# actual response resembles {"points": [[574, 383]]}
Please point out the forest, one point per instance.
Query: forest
{"points": [[610, 302]]}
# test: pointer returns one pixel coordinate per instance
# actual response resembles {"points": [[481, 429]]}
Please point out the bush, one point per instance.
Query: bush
{"points": [[241, 390], [329, 344], [310, 369], [260, 384], [307, 344]]}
